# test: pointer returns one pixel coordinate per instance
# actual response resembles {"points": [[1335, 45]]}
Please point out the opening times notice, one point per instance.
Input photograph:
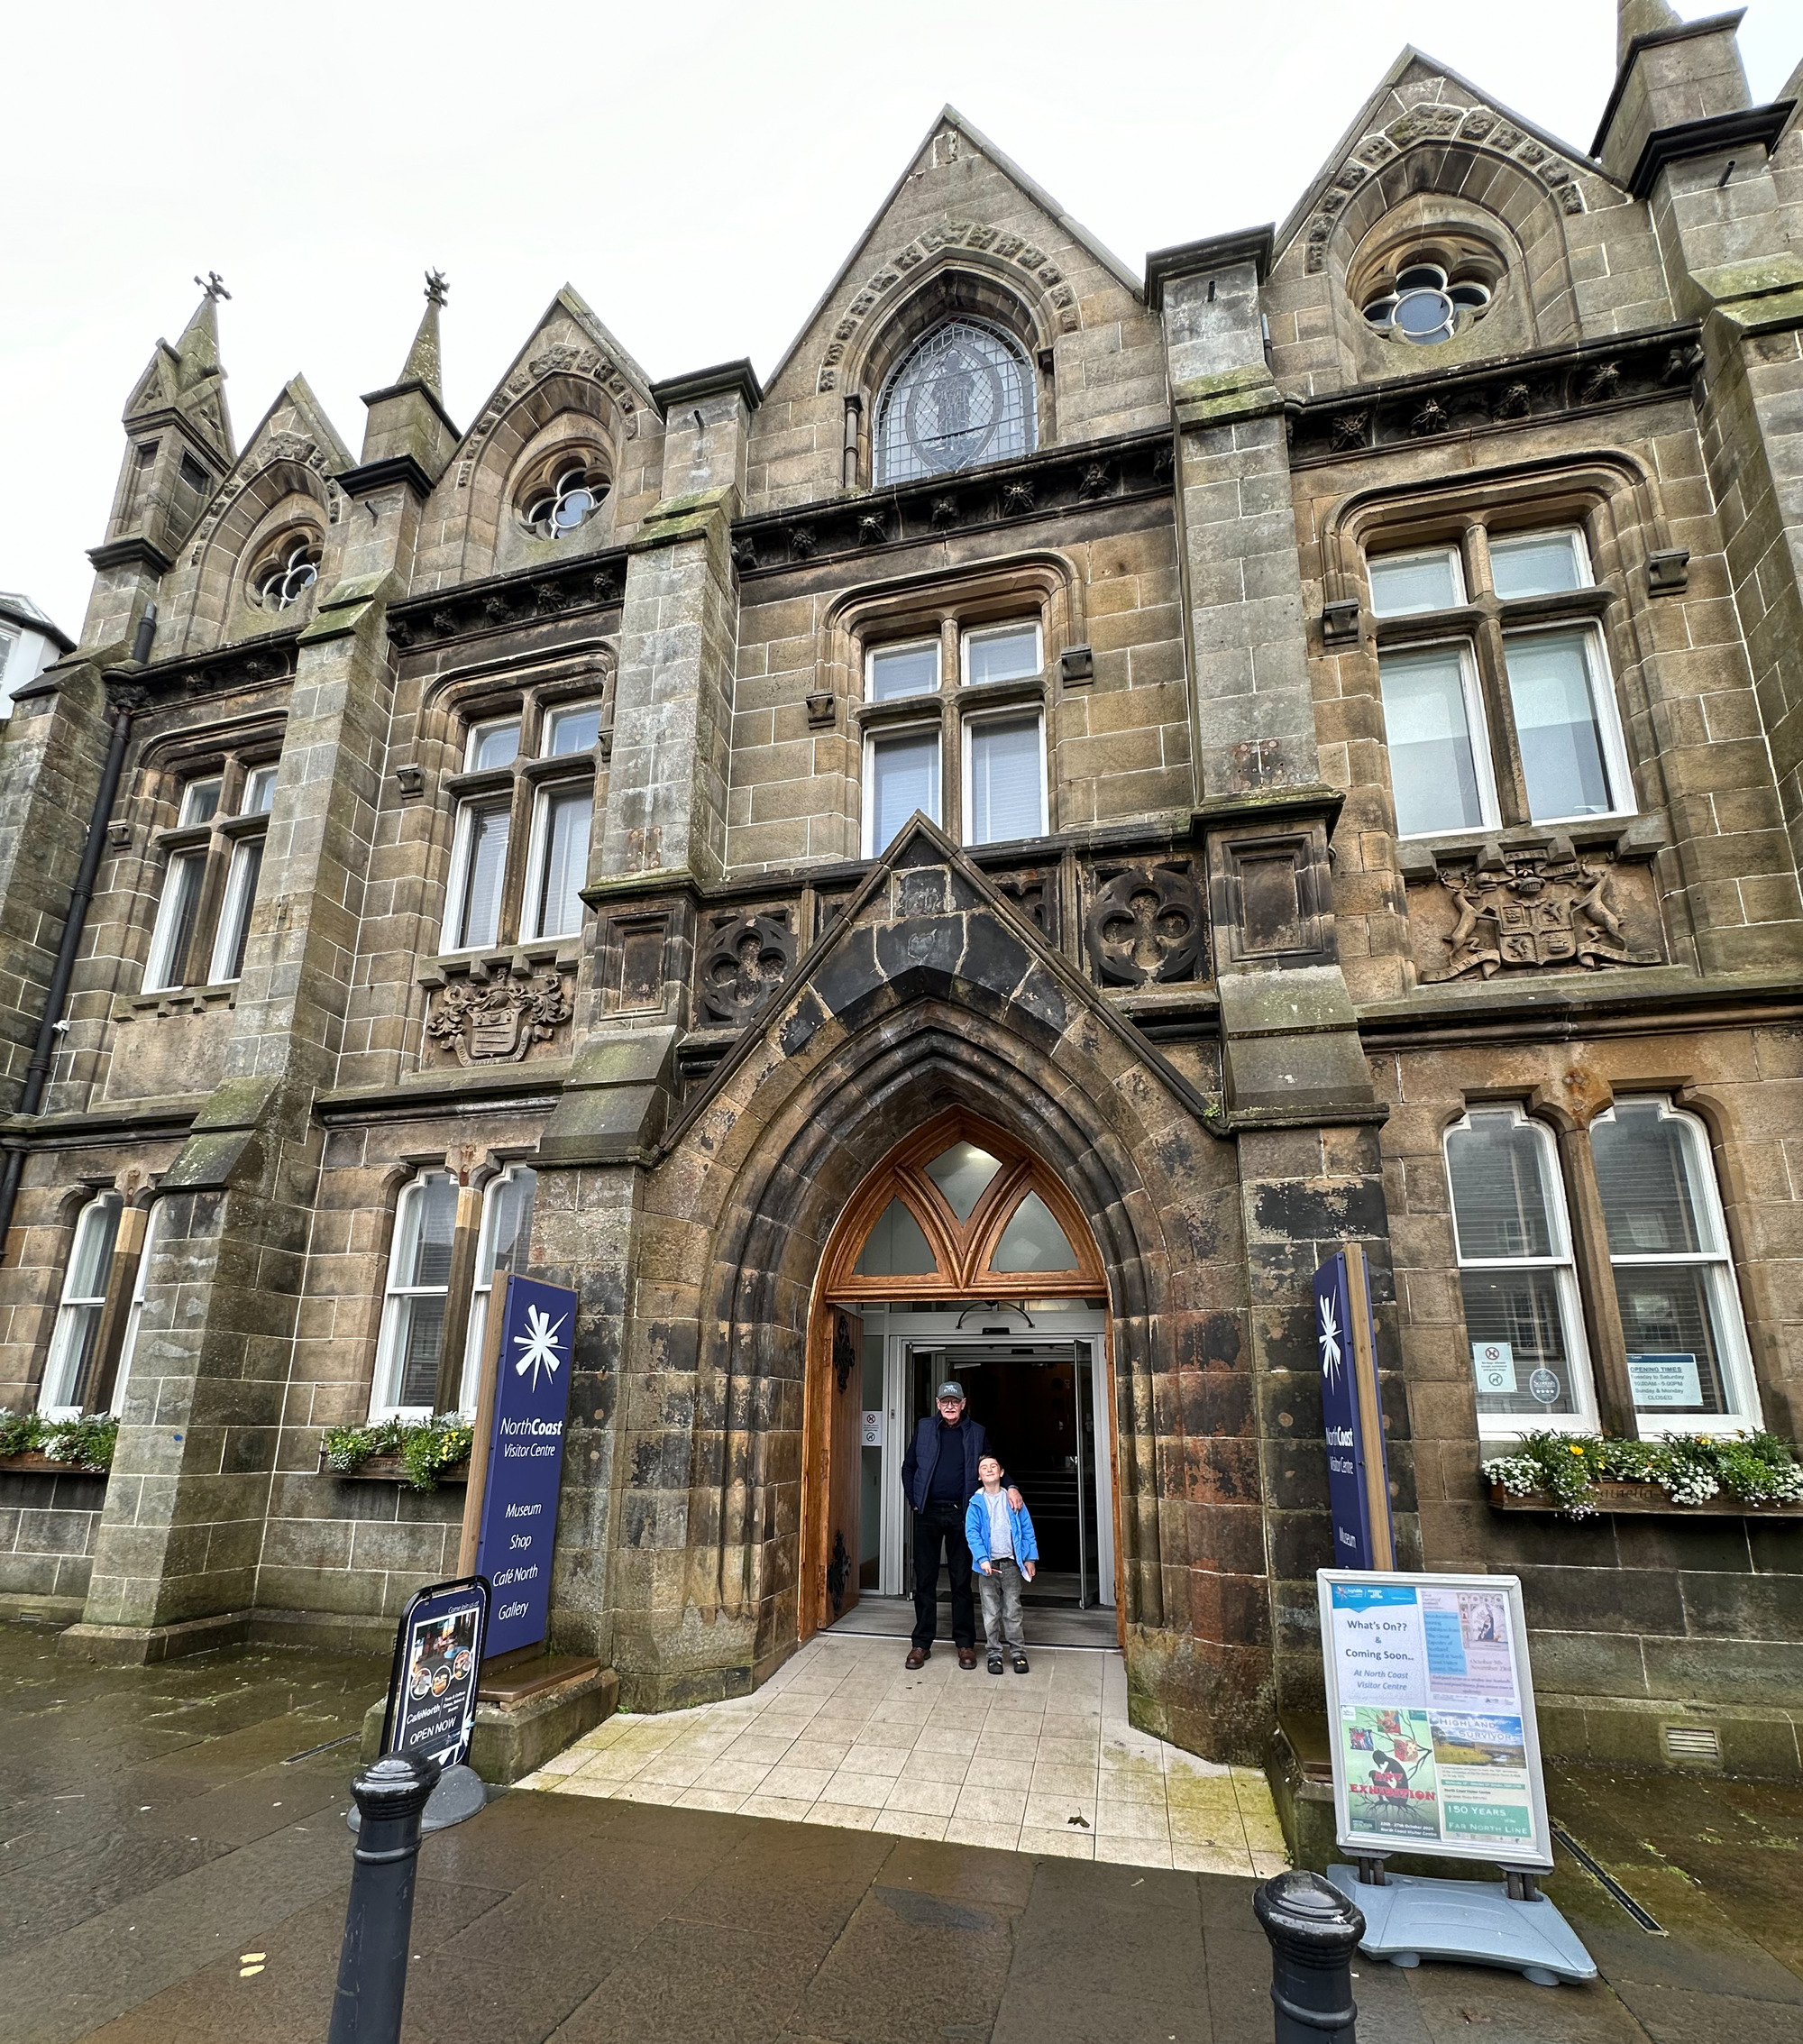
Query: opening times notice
{"points": [[1432, 1717]]}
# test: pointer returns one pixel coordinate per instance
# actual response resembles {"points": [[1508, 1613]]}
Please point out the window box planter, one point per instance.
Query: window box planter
{"points": [[1643, 1497], [33, 1463], [1579, 1475], [391, 1469]]}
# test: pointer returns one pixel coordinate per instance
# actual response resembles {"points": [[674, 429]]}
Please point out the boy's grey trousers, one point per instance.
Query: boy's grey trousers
{"points": [[1001, 1593]]}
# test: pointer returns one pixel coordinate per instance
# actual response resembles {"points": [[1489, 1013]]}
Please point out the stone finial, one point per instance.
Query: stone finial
{"points": [[422, 364], [1640, 17], [198, 351]]}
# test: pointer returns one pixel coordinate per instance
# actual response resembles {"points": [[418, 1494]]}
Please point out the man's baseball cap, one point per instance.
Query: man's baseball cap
{"points": [[950, 1388]]}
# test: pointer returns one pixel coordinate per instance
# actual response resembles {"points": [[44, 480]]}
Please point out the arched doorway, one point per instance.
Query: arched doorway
{"points": [[961, 1254]]}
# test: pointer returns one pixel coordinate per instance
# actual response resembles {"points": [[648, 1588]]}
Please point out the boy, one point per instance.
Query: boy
{"points": [[1002, 1552]]}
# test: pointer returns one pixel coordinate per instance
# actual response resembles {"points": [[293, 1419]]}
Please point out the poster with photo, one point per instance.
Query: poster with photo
{"points": [[438, 1658], [1431, 1710]]}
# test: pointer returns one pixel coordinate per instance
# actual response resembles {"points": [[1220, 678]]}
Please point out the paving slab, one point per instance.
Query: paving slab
{"points": [[187, 1886]]}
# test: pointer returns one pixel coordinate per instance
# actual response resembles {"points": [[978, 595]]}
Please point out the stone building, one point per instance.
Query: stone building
{"points": [[996, 847]]}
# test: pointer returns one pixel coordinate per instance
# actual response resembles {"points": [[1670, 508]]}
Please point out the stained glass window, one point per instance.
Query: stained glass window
{"points": [[964, 396]]}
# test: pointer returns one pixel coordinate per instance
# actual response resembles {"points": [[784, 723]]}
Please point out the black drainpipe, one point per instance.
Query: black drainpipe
{"points": [[43, 1052]]}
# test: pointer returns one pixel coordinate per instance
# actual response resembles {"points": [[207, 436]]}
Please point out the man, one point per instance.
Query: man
{"points": [[939, 1475]]}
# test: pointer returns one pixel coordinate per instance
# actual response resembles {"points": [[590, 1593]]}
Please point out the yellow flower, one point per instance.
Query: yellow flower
{"points": [[1576, 1450]]}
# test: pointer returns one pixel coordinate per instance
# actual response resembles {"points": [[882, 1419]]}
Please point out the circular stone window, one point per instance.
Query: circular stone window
{"points": [[287, 574], [568, 497], [1427, 304]]}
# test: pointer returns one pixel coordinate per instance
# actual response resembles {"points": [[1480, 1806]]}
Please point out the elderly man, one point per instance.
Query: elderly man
{"points": [[939, 1475]]}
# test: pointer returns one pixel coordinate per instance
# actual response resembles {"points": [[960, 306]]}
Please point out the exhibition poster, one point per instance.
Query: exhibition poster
{"points": [[1431, 1716]]}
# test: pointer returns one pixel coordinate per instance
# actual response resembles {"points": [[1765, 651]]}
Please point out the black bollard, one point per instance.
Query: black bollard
{"points": [[379, 1918], [1314, 1931]]}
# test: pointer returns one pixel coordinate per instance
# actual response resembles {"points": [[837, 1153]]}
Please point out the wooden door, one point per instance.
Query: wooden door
{"points": [[844, 1463]]}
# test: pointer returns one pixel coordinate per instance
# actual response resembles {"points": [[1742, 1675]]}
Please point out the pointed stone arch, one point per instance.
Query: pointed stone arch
{"points": [[930, 994]]}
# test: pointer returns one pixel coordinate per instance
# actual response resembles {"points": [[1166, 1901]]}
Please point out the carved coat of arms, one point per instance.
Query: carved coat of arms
{"points": [[1535, 910], [500, 1020]]}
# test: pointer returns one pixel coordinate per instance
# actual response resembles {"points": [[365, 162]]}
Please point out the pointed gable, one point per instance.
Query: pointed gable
{"points": [[571, 363], [962, 228], [1432, 162], [1421, 102], [570, 340], [185, 385], [927, 924]]}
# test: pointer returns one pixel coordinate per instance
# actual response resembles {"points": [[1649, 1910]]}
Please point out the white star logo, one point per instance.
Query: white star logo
{"points": [[540, 1343], [1329, 1341]]}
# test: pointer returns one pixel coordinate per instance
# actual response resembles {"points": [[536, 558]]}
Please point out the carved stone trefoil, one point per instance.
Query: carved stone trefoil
{"points": [[742, 966], [1535, 908], [499, 1021], [1145, 926]]}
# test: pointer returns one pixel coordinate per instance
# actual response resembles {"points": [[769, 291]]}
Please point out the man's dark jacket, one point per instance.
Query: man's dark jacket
{"points": [[923, 1455]]}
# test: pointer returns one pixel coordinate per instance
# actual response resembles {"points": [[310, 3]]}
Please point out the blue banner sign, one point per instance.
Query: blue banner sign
{"points": [[1358, 1486], [438, 1658], [526, 1459]]}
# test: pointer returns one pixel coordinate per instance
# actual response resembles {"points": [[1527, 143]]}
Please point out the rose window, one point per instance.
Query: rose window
{"points": [[963, 397], [289, 575], [572, 497], [1426, 305]]}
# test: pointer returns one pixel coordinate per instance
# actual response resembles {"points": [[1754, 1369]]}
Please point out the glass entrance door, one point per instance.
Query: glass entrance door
{"points": [[1042, 1398]]}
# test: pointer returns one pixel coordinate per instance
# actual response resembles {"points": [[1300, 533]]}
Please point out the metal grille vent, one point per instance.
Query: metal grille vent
{"points": [[1693, 1742]]}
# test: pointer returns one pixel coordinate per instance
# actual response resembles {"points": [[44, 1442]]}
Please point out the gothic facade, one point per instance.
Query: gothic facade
{"points": [[1079, 794]]}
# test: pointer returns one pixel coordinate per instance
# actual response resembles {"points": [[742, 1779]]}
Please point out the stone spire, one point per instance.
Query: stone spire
{"points": [[1640, 17], [422, 358], [198, 351], [408, 419]]}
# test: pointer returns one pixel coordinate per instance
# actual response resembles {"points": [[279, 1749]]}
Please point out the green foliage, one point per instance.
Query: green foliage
{"points": [[85, 1444], [1758, 1469], [426, 1447]]}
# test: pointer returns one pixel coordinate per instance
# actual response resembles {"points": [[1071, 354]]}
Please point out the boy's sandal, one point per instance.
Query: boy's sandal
{"points": [[995, 1664], [1019, 1663]]}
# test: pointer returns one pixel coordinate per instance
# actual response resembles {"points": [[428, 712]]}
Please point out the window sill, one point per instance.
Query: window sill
{"points": [[391, 1469], [1641, 1500], [177, 1001], [34, 1464], [542, 954], [1624, 836]]}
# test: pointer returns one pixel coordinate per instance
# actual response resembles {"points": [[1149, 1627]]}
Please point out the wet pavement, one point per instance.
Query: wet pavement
{"points": [[173, 1866]]}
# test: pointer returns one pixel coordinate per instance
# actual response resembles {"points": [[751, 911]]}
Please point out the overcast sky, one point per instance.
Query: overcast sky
{"points": [[697, 168]]}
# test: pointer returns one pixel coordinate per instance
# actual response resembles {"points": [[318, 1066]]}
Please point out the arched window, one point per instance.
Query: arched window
{"points": [[961, 1211], [1687, 1346], [81, 1305], [963, 397], [418, 1299], [135, 1316], [419, 1285], [507, 1230], [1521, 1312]]}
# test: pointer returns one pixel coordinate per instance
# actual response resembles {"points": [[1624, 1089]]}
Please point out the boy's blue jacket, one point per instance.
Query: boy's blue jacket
{"points": [[976, 1532]]}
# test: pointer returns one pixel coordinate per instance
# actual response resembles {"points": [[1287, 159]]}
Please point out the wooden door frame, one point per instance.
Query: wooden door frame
{"points": [[836, 1289]]}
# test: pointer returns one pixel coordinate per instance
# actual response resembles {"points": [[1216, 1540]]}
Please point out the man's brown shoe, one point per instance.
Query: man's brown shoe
{"points": [[967, 1656], [917, 1656]]}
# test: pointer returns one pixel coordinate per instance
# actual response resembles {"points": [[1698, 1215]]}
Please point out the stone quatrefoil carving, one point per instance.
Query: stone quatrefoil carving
{"points": [[1144, 926], [742, 965], [499, 1021]]}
